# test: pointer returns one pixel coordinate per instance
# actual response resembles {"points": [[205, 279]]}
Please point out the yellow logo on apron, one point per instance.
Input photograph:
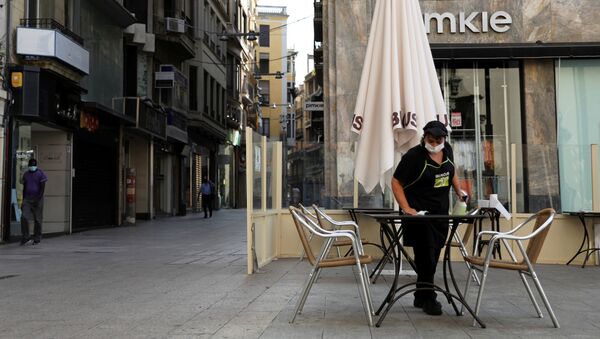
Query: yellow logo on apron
{"points": [[442, 180]]}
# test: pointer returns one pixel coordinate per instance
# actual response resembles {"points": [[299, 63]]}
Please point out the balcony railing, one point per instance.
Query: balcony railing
{"points": [[148, 117], [49, 23]]}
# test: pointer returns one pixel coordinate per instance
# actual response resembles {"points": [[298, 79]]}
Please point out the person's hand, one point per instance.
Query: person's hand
{"points": [[463, 196], [410, 211]]}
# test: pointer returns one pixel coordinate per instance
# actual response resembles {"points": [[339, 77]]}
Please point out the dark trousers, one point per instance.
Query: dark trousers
{"points": [[32, 210], [207, 204], [426, 259]]}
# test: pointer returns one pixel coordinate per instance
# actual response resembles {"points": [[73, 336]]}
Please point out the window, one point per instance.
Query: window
{"points": [[213, 94], [578, 84], [264, 91], [206, 85], [265, 36], [266, 127], [264, 63], [193, 88], [484, 107]]}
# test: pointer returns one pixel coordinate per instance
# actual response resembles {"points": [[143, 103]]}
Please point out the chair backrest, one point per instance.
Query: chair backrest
{"points": [[543, 221], [308, 213], [302, 224]]}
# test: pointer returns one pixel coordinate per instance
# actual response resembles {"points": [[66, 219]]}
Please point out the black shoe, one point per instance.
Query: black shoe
{"points": [[205, 217], [418, 302], [35, 242], [25, 241], [432, 307]]}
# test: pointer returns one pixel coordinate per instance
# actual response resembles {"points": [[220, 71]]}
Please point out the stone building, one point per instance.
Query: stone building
{"points": [[512, 72]]}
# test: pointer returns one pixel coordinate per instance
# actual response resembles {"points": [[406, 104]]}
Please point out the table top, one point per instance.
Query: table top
{"points": [[397, 216], [368, 209], [584, 213]]}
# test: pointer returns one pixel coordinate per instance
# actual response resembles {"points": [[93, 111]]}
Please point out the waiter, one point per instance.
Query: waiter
{"points": [[422, 183]]}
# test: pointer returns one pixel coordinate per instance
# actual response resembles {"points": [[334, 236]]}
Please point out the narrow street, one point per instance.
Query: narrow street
{"points": [[185, 277]]}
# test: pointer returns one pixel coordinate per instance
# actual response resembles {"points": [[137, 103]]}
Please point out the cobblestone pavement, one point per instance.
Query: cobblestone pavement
{"points": [[185, 277]]}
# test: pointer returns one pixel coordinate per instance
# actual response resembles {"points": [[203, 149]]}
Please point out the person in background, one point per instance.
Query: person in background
{"points": [[207, 189], [34, 184], [421, 183]]}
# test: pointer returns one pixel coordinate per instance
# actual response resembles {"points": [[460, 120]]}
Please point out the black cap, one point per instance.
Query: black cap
{"points": [[436, 129], [32, 162]]}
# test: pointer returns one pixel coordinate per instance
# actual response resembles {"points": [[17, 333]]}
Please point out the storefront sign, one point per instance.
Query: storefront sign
{"points": [[89, 122], [70, 112], [476, 22], [456, 119], [313, 106]]}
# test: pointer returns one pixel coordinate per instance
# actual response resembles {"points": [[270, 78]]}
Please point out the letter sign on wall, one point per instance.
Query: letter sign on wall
{"points": [[476, 22]]}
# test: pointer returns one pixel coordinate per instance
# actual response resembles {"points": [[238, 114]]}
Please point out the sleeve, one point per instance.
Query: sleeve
{"points": [[43, 177], [406, 171], [450, 152]]}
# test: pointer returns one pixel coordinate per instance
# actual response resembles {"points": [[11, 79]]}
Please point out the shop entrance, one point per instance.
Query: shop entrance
{"points": [[484, 105], [94, 184], [52, 149]]}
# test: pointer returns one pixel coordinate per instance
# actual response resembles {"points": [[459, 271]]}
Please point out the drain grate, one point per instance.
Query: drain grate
{"points": [[8, 276]]}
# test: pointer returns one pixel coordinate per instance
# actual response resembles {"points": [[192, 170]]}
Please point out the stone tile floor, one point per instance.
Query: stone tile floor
{"points": [[184, 277]]}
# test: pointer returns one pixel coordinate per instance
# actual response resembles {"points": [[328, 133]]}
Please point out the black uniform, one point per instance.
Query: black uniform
{"points": [[426, 185]]}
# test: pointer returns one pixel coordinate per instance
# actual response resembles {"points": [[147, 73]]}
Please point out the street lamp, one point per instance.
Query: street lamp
{"points": [[252, 35]]}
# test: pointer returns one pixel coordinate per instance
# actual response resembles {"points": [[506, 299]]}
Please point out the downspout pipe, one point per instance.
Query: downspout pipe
{"points": [[6, 125]]}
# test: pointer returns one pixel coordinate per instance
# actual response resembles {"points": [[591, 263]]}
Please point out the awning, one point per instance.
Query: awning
{"points": [[515, 51]]}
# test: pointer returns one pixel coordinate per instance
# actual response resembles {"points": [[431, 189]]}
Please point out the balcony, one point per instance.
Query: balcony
{"points": [[172, 85], [177, 124], [47, 38], [176, 33], [149, 118]]}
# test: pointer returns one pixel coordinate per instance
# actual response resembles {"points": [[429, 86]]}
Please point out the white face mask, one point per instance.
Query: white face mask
{"points": [[434, 149]]}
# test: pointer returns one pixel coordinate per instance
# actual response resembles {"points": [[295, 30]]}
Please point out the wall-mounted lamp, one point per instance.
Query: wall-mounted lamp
{"points": [[252, 36], [278, 75], [281, 105]]}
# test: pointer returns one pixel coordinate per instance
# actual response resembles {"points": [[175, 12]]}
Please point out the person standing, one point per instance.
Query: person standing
{"points": [[207, 189], [34, 184], [421, 182]]}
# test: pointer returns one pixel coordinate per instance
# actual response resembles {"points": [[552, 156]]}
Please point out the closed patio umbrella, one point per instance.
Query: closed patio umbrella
{"points": [[399, 91]]}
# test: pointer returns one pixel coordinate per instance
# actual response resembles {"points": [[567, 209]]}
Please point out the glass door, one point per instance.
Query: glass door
{"points": [[484, 105]]}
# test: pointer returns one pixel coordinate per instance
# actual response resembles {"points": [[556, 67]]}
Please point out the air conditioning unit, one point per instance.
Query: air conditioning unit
{"points": [[175, 25], [164, 79]]}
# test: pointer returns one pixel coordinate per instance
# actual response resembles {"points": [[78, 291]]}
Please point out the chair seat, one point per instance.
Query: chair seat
{"points": [[348, 242], [502, 264], [345, 261]]}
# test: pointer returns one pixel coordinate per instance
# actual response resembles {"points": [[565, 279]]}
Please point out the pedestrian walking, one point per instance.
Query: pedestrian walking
{"points": [[34, 184], [207, 189]]}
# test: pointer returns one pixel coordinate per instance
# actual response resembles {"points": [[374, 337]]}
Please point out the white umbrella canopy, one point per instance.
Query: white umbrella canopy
{"points": [[399, 91]]}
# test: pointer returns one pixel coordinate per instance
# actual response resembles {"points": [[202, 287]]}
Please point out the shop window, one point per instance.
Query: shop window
{"points": [[578, 85]]}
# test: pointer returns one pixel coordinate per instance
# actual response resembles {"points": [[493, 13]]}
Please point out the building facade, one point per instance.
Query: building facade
{"points": [[519, 73], [125, 112]]}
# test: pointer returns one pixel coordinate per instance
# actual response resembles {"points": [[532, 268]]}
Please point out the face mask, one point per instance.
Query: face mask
{"points": [[32, 168], [434, 149]]}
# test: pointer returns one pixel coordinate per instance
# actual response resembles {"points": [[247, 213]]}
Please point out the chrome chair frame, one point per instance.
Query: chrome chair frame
{"points": [[330, 237], [463, 249], [504, 237]]}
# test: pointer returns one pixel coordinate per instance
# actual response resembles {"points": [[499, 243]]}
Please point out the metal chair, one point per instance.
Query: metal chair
{"points": [[320, 261], [460, 244], [543, 220]]}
